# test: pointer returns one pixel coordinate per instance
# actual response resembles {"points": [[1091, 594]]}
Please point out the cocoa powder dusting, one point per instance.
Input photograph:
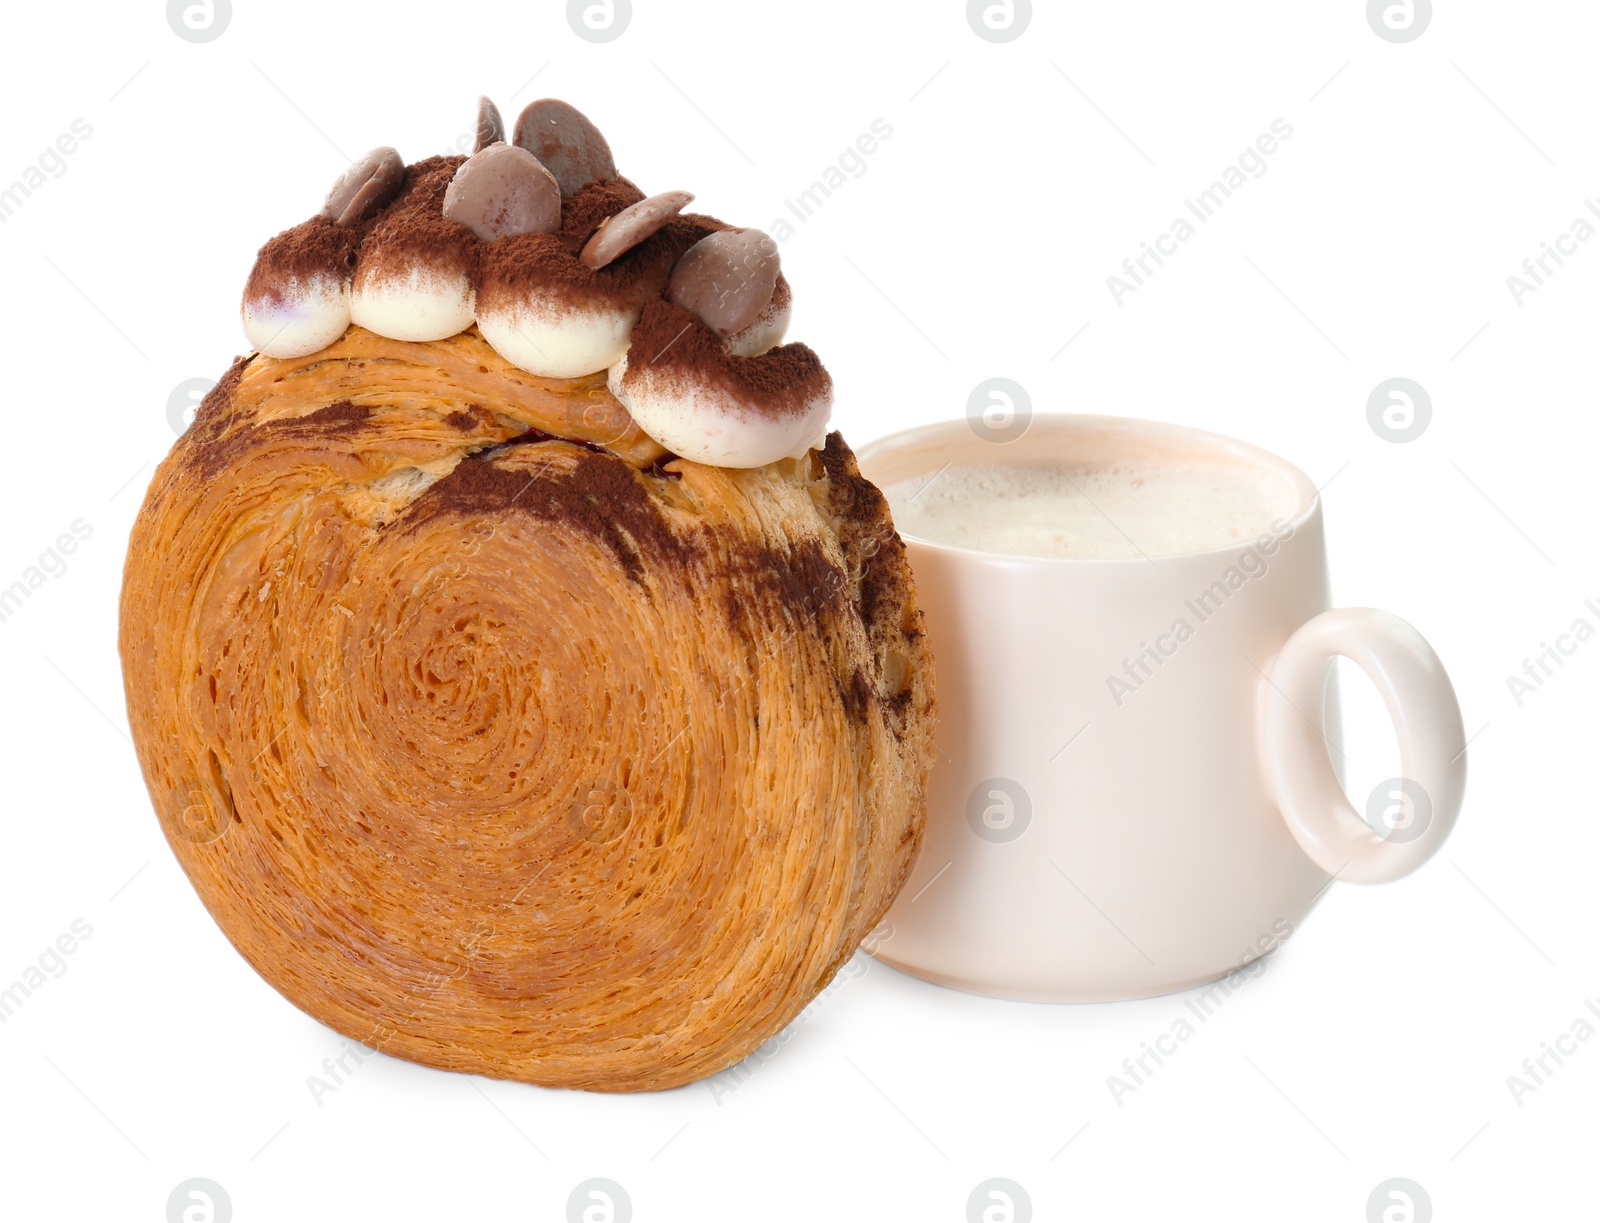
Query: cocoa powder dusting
{"points": [[598, 494], [687, 228], [582, 213], [867, 535], [312, 248], [414, 228], [512, 268], [212, 416], [335, 419], [220, 446], [797, 580]]}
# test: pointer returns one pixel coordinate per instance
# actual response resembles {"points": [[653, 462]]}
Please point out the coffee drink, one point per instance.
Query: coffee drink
{"points": [[1110, 508]]}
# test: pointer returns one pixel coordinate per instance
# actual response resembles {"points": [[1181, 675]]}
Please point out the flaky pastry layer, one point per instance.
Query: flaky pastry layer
{"points": [[548, 758]]}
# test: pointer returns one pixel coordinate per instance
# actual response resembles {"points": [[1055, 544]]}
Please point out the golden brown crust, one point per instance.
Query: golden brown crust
{"points": [[542, 761]]}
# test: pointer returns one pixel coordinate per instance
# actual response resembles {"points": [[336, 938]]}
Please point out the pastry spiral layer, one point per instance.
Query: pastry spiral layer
{"points": [[552, 760]]}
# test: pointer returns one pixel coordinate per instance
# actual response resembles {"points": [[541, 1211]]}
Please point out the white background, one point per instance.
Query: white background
{"points": [[976, 244]]}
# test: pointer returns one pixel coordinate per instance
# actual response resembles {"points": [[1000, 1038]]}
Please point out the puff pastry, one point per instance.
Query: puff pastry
{"points": [[498, 739]]}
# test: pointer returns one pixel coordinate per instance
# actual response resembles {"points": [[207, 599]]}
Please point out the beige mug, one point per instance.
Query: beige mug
{"points": [[1134, 791]]}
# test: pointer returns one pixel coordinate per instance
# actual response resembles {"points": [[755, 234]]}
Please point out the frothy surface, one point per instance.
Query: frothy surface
{"points": [[1141, 507]]}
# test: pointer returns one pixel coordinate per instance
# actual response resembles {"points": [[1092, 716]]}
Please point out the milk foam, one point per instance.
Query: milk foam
{"points": [[1140, 507]]}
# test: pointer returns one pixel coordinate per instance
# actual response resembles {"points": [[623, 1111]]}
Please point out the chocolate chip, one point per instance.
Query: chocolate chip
{"points": [[619, 234], [726, 278], [501, 191], [365, 187], [491, 130], [566, 143]]}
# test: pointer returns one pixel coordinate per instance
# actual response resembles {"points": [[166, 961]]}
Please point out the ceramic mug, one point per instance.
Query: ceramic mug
{"points": [[1135, 791]]}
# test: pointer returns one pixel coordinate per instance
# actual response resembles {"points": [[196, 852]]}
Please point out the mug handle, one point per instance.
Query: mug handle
{"points": [[1427, 721]]}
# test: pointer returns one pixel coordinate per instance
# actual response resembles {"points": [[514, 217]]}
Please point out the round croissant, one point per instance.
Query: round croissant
{"points": [[498, 740]]}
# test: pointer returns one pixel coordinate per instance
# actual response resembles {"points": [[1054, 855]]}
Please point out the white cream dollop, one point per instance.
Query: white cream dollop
{"points": [[303, 316], [709, 424], [416, 302], [554, 339]]}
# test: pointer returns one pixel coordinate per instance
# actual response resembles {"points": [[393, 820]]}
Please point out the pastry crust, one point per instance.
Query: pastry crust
{"points": [[552, 760]]}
